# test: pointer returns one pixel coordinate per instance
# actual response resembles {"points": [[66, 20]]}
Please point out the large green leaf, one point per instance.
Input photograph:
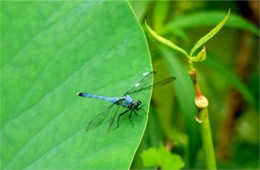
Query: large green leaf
{"points": [[185, 95], [211, 18], [139, 7], [49, 52]]}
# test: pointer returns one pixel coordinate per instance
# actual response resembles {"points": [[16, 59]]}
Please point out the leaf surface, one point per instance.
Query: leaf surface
{"points": [[49, 52]]}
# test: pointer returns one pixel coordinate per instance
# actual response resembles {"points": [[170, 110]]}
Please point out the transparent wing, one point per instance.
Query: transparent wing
{"points": [[145, 83], [113, 118], [100, 118]]}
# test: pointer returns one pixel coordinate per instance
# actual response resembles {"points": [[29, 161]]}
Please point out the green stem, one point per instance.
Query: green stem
{"points": [[191, 65], [206, 138]]}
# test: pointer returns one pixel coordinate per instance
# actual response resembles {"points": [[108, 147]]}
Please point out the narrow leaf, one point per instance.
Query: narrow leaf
{"points": [[211, 18], [165, 41], [208, 36]]}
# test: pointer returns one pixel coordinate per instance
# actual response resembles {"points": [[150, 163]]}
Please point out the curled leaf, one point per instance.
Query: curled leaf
{"points": [[201, 56]]}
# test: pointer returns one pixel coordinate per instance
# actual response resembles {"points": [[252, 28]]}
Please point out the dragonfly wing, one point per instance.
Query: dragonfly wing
{"points": [[113, 118], [157, 84], [99, 119], [145, 84]]}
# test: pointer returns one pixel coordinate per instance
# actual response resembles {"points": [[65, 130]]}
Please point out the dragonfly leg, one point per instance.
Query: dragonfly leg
{"points": [[137, 114], [121, 114], [130, 116], [143, 110]]}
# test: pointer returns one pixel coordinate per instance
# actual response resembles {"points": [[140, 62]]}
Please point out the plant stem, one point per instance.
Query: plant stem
{"points": [[205, 130], [206, 138], [191, 66]]}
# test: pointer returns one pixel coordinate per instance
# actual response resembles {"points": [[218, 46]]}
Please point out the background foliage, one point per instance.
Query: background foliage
{"points": [[51, 50], [229, 78]]}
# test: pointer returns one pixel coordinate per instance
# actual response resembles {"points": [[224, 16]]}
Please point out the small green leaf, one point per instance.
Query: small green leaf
{"points": [[201, 56], [208, 36], [165, 41], [160, 157]]}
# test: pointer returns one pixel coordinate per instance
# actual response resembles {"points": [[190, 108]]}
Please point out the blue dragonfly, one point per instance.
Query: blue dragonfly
{"points": [[126, 101]]}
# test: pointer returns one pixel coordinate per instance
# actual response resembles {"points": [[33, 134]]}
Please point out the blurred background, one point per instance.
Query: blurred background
{"points": [[229, 78]]}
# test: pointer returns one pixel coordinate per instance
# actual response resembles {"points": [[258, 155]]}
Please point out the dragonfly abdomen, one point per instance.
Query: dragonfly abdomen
{"points": [[89, 95]]}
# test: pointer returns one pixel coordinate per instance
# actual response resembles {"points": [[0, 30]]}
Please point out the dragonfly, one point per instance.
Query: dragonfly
{"points": [[130, 105]]}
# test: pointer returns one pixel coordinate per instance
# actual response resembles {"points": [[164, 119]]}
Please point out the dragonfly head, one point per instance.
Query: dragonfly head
{"points": [[138, 105]]}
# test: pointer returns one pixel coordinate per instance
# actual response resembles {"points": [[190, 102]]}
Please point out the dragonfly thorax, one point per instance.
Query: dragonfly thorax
{"points": [[128, 102]]}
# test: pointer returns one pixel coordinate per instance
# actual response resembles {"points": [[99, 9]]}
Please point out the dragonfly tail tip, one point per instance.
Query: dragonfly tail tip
{"points": [[79, 94]]}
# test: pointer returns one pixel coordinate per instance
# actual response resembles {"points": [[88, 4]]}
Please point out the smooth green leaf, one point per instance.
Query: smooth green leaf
{"points": [[160, 157], [50, 50], [165, 41], [208, 36], [211, 18], [186, 96]]}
